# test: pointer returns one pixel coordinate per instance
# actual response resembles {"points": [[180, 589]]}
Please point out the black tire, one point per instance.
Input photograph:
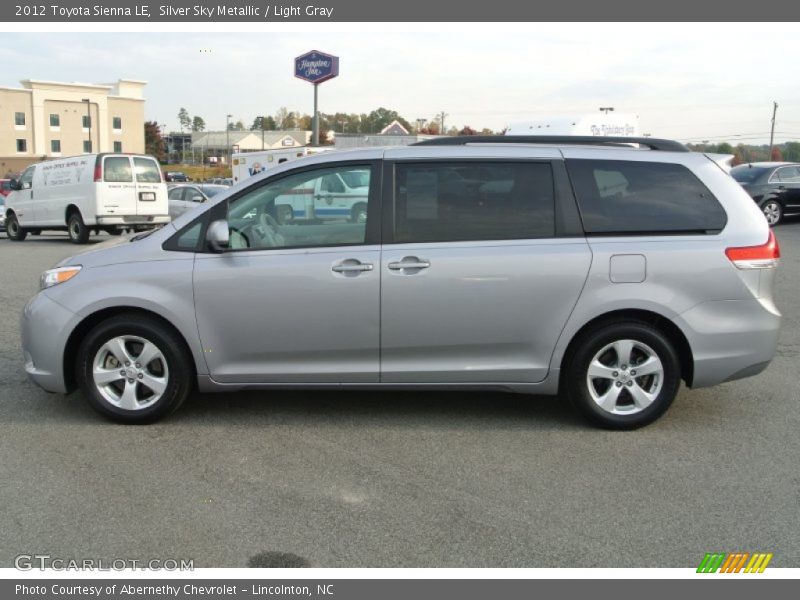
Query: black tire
{"points": [[358, 214], [773, 211], [179, 368], [13, 230], [577, 375], [78, 232]]}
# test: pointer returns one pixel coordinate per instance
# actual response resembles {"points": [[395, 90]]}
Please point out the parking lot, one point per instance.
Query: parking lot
{"points": [[377, 479]]}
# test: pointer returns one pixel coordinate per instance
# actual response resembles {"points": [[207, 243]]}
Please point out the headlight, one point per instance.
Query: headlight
{"points": [[59, 275]]}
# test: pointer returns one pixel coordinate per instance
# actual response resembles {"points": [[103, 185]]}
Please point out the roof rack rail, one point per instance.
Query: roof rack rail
{"points": [[582, 140]]}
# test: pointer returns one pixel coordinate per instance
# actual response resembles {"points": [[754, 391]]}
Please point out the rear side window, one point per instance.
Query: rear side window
{"points": [[445, 202], [117, 169], [787, 175], [642, 197], [147, 170]]}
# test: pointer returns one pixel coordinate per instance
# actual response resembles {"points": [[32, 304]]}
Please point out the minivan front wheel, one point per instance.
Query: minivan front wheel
{"points": [[623, 375], [78, 232], [772, 211], [133, 369]]}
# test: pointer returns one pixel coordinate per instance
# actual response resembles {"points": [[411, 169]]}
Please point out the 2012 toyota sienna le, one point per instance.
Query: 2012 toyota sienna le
{"points": [[604, 270]]}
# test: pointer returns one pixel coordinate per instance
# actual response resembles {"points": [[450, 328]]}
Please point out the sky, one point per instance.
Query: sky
{"points": [[690, 82]]}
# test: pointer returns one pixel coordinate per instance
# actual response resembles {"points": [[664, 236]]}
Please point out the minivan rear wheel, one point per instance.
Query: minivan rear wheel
{"points": [[13, 230], [772, 211], [623, 375], [78, 233], [133, 369]]}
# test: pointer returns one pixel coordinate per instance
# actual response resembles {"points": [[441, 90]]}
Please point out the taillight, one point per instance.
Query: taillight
{"points": [[756, 257], [98, 170]]}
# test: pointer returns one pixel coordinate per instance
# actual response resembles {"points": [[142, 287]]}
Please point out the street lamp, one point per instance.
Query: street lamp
{"points": [[606, 109], [89, 119], [228, 137]]}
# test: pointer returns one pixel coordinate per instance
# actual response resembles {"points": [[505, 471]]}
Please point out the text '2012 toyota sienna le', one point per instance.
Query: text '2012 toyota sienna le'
{"points": [[601, 270]]}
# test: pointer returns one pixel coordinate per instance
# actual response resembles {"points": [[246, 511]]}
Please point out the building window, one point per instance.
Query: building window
{"points": [[22, 145], [87, 121], [55, 146], [87, 145], [19, 119], [55, 120], [117, 122], [117, 146]]}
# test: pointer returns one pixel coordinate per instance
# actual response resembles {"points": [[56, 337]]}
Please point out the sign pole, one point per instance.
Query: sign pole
{"points": [[316, 67], [315, 120]]}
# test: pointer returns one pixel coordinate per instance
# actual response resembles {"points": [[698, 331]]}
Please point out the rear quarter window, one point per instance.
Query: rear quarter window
{"points": [[619, 197]]}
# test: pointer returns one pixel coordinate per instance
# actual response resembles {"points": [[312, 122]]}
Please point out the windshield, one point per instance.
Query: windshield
{"points": [[746, 173]]}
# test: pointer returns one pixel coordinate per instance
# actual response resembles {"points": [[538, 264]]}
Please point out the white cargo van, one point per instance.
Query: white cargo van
{"points": [[100, 192]]}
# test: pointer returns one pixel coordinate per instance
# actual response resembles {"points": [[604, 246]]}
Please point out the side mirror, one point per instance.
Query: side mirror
{"points": [[15, 185], [198, 198], [218, 236]]}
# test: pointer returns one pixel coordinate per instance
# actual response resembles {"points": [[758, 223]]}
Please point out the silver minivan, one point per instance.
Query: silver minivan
{"points": [[605, 270]]}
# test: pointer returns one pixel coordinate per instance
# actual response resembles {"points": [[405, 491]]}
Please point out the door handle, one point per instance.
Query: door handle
{"points": [[352, 268], [410, 262]]}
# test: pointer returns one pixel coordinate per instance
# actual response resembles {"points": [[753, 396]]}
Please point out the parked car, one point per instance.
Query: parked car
{"points": [[775, 187], [533, 265], [187, 197], [2, 213], [100, 192], [176, 176], [5, 187]]}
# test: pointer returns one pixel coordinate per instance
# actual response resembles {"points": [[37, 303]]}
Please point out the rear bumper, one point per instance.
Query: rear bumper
{"points": [[730, 339], [45, 330], [125, 220]]}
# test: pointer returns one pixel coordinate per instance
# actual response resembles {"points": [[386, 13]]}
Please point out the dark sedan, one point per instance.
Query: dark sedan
{"points": [[775, 187]]}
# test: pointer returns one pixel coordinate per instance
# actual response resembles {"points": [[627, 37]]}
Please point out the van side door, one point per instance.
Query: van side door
{"points": [[478, 272]]}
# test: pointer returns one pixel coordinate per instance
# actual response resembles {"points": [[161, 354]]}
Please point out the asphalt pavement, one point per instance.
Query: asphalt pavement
{"points": [[389, 479]]}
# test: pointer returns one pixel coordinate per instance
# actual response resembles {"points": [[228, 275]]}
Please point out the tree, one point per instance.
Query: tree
{"points": [[467, 130], [184, 119], [265, 123], [285, 119], [324, 138], [304, 122], [791, 151], [380, 118], [198, 124], [153, 142], [776, 155]]}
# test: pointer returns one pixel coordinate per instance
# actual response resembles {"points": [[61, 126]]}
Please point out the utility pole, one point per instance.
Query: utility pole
{"points": [[772, 130], [442, 115]]}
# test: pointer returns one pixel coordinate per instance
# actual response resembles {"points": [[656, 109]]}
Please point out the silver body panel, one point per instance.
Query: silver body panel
{"points": [[484, 315]]}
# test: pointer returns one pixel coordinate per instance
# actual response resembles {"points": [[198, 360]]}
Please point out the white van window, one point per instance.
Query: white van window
{"points": [[117, 169], [147, 170]]}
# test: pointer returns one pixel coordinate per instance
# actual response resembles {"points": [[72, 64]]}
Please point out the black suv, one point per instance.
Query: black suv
{"points": [[775, 186]]}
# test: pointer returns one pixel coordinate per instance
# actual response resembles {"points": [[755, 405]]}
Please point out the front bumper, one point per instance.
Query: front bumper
{"points": [[730, 339], [45, 330]]}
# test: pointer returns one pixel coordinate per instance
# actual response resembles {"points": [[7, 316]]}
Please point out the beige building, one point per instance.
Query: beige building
{"points": [[48, 119]]}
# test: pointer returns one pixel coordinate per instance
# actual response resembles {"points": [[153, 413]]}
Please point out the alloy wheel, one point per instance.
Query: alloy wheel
{"points": [[625, 377], [130, 372]]}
